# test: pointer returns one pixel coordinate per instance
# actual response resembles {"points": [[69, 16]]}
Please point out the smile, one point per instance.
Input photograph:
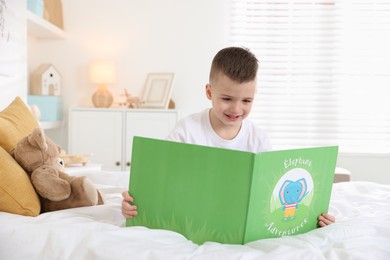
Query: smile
{"points": [[232, 117]]}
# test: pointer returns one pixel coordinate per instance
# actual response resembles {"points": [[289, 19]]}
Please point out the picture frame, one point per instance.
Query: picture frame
{"points": [[157, 90]]}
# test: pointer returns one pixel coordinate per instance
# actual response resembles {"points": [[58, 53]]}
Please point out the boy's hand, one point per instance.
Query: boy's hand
{"points": [[128, 210], [325, 219]]}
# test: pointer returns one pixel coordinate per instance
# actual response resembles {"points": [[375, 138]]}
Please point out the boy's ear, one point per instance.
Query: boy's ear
{"points": [[208, 91]]}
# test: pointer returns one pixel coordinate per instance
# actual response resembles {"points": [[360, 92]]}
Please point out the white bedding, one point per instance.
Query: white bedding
{"points": [[362, 231]]}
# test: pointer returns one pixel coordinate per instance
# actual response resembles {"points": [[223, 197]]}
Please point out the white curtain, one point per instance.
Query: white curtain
{"points": [[324, 71]]}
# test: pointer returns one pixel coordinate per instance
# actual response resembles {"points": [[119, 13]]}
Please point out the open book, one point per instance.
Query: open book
{"points": [[228, 196]]}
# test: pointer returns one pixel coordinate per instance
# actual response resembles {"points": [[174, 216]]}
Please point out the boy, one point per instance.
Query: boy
{"points": [[231, 90]]}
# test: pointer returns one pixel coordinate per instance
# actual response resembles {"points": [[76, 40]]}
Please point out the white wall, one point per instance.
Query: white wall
{"points": [[141, 37], [366, 167], [13, 51], [152, 36]]}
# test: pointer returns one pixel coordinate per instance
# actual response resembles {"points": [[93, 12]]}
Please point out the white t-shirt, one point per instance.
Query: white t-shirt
{"points": [[196, 129]]}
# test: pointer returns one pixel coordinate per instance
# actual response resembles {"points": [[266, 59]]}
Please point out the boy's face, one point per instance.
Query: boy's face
{"points": [[231, 101]]}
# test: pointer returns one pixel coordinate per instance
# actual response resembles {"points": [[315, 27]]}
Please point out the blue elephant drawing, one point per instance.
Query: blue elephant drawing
{"points": [[291, 194]]}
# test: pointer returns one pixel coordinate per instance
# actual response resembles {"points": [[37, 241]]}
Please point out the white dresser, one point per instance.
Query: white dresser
{"points": [[108, 133]]}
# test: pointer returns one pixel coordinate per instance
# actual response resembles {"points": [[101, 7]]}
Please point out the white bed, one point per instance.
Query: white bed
{"points": [[362, 231]]}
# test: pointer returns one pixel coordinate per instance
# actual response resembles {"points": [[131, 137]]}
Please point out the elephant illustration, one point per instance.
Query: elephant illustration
{"points": [[291, 194]]}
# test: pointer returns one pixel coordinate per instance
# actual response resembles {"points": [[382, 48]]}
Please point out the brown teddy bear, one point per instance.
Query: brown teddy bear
{"points": [[39, 157]]}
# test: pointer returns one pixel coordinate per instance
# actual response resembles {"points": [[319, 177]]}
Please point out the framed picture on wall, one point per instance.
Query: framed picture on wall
{"points": [[158, 90]]}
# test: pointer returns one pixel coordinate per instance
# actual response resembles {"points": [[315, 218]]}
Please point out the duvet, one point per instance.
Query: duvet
{"points": [[362, 231]]}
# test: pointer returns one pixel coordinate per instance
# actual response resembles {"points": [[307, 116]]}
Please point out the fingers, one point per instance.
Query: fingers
{"points": [[325, 219], [128, 210], [126, 197]]}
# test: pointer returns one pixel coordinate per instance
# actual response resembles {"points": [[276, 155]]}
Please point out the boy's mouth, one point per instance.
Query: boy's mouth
{"points": [[233, 117]]}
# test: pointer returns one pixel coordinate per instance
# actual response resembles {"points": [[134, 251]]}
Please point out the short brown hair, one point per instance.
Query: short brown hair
{"points": [[237, 63]]}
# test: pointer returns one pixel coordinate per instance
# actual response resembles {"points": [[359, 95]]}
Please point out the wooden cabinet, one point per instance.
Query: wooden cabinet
{"points": [[108, 133]]}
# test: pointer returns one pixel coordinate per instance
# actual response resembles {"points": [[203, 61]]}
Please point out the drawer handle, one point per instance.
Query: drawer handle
{"points": [[128, 164], [117, 163]]}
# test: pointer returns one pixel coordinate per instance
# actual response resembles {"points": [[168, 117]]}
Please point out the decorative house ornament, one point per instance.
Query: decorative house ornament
{"points": [[45, 81]]}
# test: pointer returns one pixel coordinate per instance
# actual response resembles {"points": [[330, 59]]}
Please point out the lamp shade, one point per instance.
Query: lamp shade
{"points": [[102, 72]]}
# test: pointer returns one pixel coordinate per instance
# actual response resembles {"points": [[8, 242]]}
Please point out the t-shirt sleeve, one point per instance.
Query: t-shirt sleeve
{"points": [[177, 134]]}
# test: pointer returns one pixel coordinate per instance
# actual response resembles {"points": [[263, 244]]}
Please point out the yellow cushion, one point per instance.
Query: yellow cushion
{"points": [[17, 195], [16, 122]]}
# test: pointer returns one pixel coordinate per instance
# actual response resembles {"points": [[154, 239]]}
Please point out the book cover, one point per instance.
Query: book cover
{"points": [[228, 196]]}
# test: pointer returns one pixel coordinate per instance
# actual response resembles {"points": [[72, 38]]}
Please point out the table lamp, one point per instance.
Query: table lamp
{"points": [[102, 73]]}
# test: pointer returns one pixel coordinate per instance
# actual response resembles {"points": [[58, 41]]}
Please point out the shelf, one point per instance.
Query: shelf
{"points": [[50, 124], [41, 28]]}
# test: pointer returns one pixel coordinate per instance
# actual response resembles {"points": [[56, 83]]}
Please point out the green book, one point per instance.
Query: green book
{"points": [[228, 196]]}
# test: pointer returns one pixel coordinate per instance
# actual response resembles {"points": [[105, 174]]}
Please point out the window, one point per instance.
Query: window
{"points": [[324, 71]]}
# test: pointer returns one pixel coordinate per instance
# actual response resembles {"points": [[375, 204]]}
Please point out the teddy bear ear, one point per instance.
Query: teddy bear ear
{"points": [[38, 139], [59, 149]]}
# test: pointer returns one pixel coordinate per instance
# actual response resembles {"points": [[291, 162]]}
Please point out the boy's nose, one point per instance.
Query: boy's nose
{"points": [[235, 107]]}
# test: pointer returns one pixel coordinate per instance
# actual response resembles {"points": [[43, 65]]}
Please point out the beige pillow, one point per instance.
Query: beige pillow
{"points": [[17, 195], [16, 122]]}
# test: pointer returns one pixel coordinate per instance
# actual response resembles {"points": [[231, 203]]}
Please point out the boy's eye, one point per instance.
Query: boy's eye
{"points": [[226, 99], [247, 101]]}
